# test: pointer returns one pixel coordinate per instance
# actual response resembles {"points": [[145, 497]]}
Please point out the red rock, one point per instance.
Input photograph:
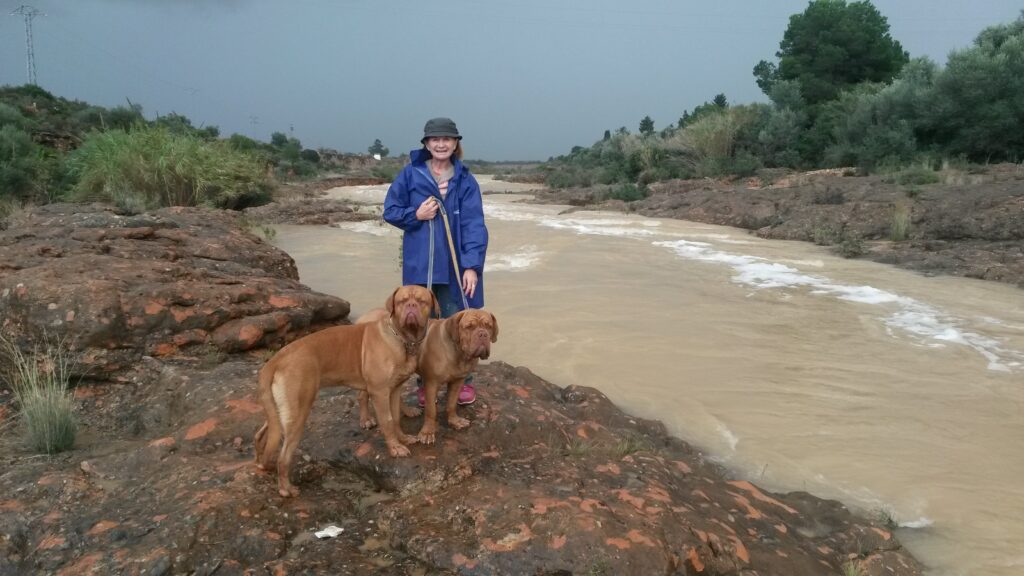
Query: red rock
{"points": [[201, 429], [101, 527]]}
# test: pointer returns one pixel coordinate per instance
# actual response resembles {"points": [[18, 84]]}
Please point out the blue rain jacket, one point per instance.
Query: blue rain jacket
{"points": [[464, 205]]}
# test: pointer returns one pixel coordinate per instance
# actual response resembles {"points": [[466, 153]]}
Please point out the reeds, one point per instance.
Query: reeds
{"points": [[899, 229], [40, 382], [150, 167]]}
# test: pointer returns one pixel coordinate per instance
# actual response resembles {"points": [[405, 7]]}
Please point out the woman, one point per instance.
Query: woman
{"points": [[434, 177]]}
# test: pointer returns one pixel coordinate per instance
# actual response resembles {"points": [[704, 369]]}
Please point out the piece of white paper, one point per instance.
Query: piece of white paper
{"points": [[329, 532]]}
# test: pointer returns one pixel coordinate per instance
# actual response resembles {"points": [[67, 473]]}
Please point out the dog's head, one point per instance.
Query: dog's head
{"points": [[473, 332], [410, 306]]}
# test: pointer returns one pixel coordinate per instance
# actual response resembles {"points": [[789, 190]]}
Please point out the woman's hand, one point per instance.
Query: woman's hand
{"points": [[427, 210], [469, 282]]}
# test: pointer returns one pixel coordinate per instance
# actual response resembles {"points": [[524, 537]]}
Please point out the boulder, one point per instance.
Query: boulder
{"points": [[114, 287]]}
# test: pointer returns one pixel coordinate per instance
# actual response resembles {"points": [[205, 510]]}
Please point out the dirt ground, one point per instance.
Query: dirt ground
{"points": [[967, 224]]}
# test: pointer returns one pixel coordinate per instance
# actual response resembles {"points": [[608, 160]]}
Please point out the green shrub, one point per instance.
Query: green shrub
{"points": [[151, 167], [27, 170], [917, 175], [850, 247], [900, 227], [41, 387], [825, 235], [385, 171], [629, 193], [567, 177], [310, 155], [10, 115]]}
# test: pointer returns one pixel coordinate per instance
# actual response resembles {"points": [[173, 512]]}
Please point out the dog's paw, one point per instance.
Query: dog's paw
{"points": [[411, 411], [458, 422], [426, 438], [407, 439], [368, 423], [288, 491], [399, 451]]}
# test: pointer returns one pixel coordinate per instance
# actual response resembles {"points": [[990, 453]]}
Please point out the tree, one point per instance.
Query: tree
{"points": [[646, 126], [310, 155], [378, 148], [766, 75], [278, 139], [718, 105], [978, 105], [833, 46]]}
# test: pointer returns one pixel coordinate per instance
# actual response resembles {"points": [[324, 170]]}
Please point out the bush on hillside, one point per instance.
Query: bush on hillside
{"points": [[150, 167], [29, 173]]}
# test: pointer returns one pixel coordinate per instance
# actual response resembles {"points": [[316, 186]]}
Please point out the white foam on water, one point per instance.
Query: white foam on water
{"points": [[597, 227], [811, 263], [931, 326], [721, 238], [525, 258], [508, 213], [368, 227], [728, 436], [922, 522]]}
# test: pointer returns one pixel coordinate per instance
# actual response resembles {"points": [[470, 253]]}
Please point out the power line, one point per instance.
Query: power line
{"points": [[28, 12]]}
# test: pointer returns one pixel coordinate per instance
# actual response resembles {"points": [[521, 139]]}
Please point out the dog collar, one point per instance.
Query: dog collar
{"points": [[412, 347]]}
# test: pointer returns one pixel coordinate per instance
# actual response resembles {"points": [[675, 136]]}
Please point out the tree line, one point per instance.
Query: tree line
{"points": [[842, 92]]}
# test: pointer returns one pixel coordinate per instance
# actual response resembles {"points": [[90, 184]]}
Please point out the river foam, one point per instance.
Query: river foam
{"points": [[927, 324]]}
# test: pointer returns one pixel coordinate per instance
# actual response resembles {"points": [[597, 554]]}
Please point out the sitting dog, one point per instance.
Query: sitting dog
{"points": [[451, 350], [374, 357]]}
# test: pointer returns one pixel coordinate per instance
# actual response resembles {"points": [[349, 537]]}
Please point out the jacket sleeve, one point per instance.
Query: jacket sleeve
{"points": [[474, 232], [398, 208]]}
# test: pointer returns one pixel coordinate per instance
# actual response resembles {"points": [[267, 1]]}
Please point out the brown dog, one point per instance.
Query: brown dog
{"points": [[450, 351], [375, 357]]}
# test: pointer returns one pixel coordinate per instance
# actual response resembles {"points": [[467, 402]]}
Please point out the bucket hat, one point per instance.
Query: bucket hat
{"points": [[437, 127]]}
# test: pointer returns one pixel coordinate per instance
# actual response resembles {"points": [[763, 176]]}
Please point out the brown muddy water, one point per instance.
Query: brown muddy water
{"points": [[889, 391]]}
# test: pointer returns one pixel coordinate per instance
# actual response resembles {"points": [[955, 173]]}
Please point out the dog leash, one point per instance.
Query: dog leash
{"points": [[451, 249]]}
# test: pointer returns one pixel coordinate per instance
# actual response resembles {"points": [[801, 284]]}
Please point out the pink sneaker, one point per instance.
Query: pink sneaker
{"points": [[467, 395]]}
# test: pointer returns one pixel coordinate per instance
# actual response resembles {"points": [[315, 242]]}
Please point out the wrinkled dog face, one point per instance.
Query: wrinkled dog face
{"points": [[477, 330], [411, 306]]}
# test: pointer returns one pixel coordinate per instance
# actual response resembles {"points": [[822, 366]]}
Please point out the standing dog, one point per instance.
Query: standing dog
{"points": [[451, 350], [374, 357]]}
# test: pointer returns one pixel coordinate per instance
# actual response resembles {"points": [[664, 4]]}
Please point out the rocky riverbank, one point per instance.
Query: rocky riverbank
{"points": [[172, 312], [966, 224]]}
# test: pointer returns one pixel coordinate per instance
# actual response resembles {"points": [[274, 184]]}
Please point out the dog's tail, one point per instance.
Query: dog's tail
{"points": [[268, 437]]}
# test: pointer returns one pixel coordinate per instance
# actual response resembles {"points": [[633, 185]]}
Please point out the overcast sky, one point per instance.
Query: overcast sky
{"points": [[524, 80]]}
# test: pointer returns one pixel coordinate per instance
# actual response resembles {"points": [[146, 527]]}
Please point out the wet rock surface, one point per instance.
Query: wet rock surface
{"points": [[545, 481], [115, 287]]}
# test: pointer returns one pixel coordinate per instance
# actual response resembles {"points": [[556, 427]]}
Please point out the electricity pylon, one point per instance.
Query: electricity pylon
{"points": [[30, 63]]}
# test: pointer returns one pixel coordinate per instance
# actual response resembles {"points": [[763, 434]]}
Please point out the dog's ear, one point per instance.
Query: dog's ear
{"points": [[452, 326], [390, 304], [494, 335], [437, 305]]}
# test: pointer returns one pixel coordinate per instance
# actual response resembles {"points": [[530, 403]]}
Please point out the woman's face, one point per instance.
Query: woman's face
{"points": [[441, 147]]}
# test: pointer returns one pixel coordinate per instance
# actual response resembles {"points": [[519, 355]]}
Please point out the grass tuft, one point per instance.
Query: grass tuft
{"points": [[40, 382], [851, 568], [577, 447], [631, 444], [900, 227], [886, 517]]}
